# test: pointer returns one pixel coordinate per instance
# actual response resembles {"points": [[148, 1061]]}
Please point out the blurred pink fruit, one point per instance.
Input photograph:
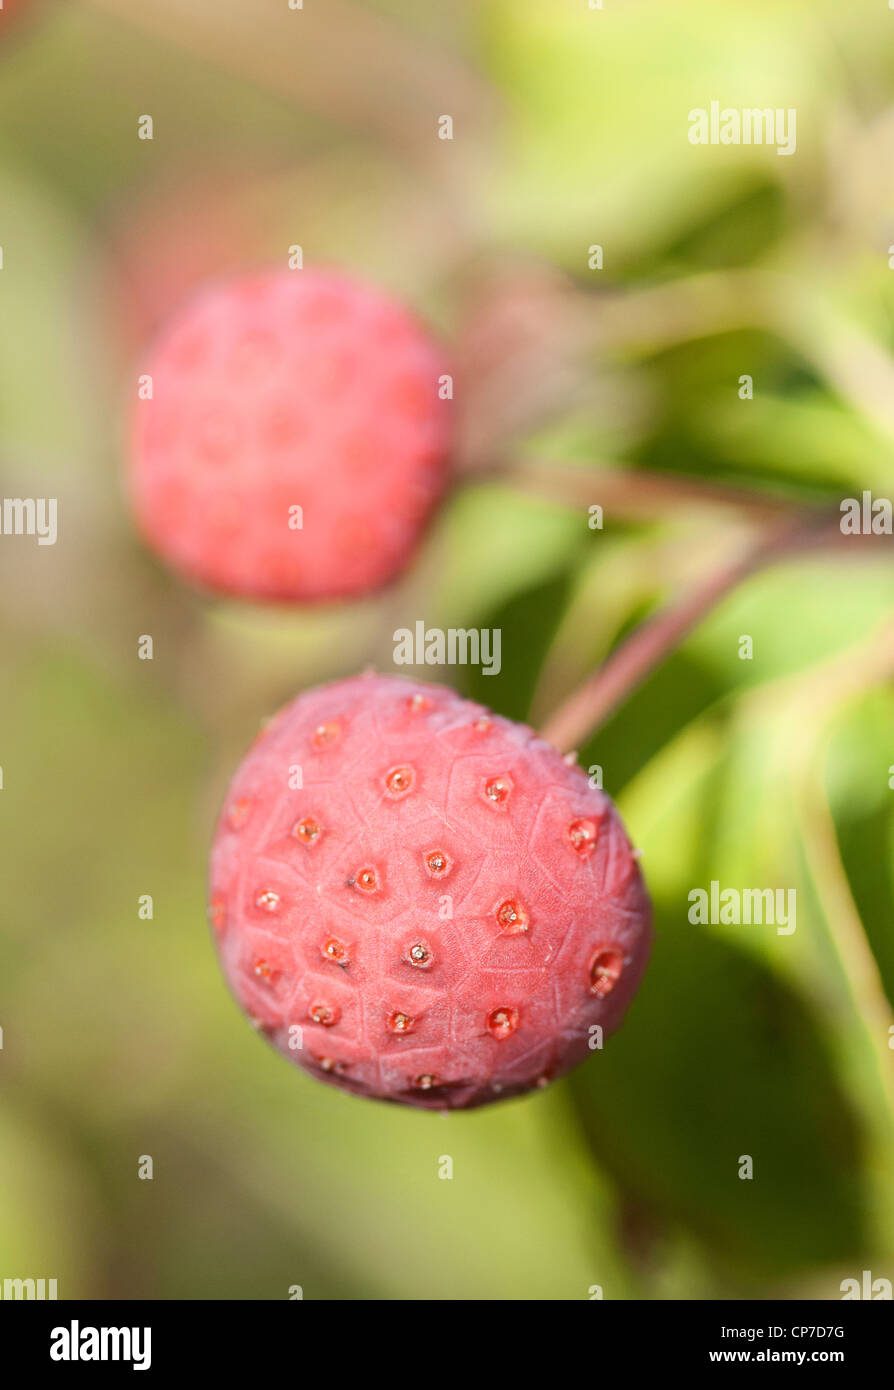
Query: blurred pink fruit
{"points": [[295, 442]]}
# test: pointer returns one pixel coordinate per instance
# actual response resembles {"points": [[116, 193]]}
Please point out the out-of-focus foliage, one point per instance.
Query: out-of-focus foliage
{"points": [[319, 127]]}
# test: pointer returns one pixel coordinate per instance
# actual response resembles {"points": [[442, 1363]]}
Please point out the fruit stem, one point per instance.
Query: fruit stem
{"points": [[579, 716], [638, 494]]}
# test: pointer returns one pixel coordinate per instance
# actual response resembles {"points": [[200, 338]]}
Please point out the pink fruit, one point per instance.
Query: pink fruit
{"points": [[440, 913], [295, 442]]}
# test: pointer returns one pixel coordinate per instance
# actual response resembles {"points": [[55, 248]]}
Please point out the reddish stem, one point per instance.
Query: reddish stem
{"points": [[582, 713], [638, 493]]}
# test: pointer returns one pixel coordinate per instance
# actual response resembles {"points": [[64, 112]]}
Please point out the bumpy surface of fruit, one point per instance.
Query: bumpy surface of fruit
{"points": [[300, 389], [440, 913]]}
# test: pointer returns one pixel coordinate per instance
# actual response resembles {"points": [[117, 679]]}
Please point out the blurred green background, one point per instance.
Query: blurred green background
{"points": [[319, 127]]}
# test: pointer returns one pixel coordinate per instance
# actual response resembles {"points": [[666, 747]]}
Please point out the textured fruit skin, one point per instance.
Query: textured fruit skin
{"points": [[294, 388], [324, 901]]}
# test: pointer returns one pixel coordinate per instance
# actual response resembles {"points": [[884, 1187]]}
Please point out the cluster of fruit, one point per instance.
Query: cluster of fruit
{"points": [[438, 908]]}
